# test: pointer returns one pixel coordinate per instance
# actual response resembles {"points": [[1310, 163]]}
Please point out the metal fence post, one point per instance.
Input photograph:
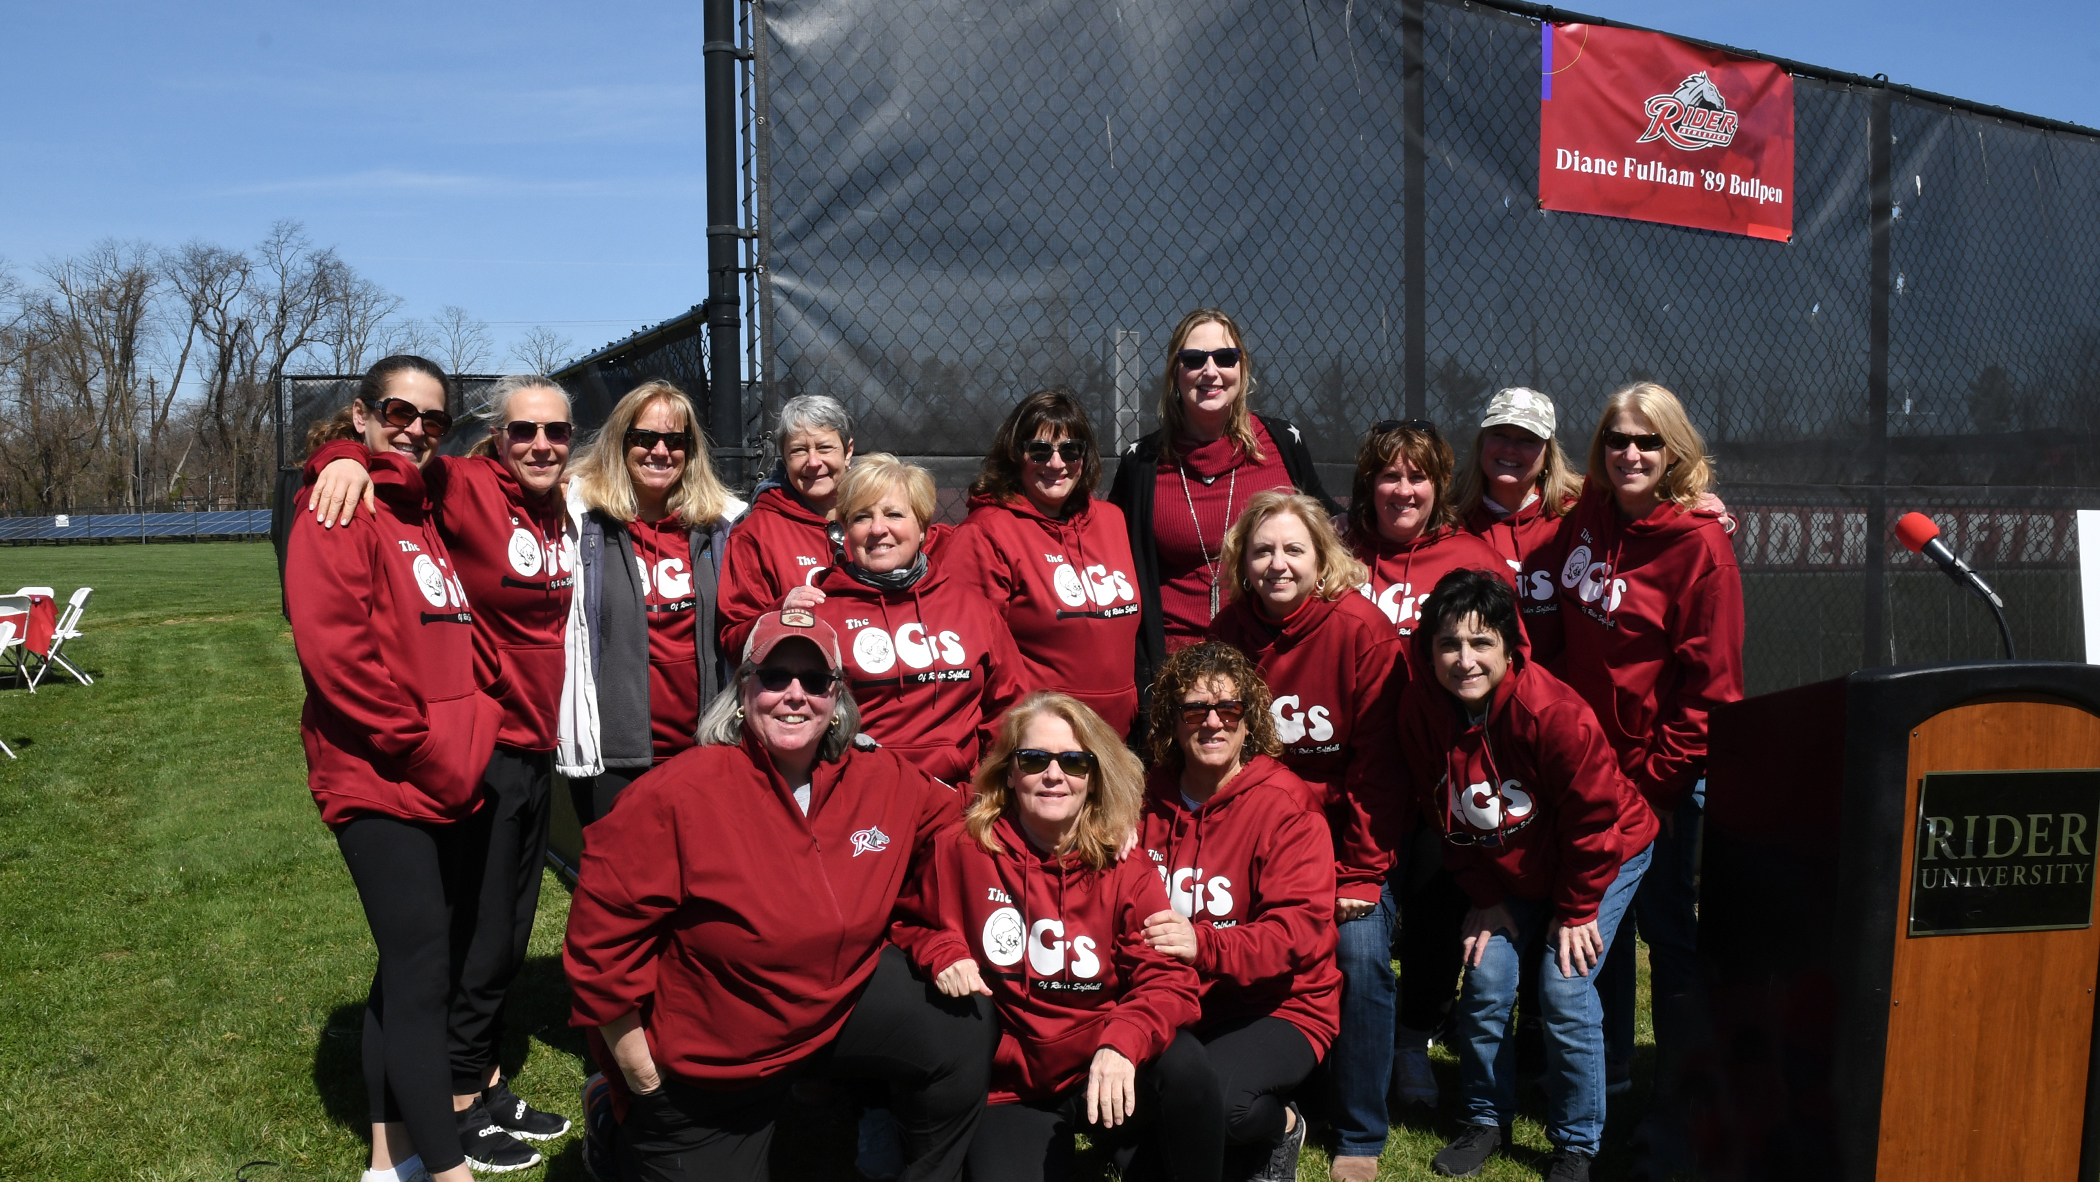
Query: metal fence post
{"points": [[1414, 284], [725, 389], [1880, 221]]}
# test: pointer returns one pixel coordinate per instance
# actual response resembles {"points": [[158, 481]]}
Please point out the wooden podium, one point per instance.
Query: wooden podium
{"points": [[1896, 928]]}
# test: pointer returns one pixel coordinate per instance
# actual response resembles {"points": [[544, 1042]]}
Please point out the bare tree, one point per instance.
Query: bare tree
{"points": [[354, 322], [465, 340], [542, 351], [94, 313], [415, 337]]}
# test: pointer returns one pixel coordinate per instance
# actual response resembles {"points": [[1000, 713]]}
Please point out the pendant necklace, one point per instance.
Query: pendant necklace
{"points": [[1202, 547]]}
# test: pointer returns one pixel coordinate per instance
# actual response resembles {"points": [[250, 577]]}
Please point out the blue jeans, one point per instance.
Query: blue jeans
{"points": [[1360, 1063], [1572, 1016], [1665, 911]]}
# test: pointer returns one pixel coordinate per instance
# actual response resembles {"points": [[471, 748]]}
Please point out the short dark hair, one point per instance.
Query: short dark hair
{"points": [[1465, 593], [1425, 450], [1054, 407], [372, 387]]}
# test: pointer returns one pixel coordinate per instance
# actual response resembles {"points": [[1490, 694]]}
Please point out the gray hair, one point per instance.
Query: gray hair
{"points": [[495, 407], [722, 723], [813, 412]]}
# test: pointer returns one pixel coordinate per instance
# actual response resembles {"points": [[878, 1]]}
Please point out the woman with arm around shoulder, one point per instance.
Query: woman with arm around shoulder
{"points": [[1030, 903], [1333, 670], [1649, 609], [652, 522], [1054, 559], [401, 716], [1518, 483], [499, 511], [929, 660], [784, 541], [727, 934], [1250, 879], [1181, 487], [1550, 843]]}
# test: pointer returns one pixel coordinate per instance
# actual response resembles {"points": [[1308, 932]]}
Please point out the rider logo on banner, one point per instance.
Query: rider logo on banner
{"points": [[1639, 125]]}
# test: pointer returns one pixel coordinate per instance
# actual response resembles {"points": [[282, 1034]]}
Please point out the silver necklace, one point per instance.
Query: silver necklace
{"points": [[1202, 547]]}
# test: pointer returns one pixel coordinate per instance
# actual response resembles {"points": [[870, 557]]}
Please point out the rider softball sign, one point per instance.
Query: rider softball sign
{"points": [[1639, 125]]}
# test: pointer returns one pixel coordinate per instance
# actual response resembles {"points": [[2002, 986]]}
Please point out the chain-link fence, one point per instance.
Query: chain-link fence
{"points": [[966, 203]]}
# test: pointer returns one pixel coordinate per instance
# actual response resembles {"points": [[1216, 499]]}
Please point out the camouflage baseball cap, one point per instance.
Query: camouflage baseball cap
{"points": [[1520, 407]]}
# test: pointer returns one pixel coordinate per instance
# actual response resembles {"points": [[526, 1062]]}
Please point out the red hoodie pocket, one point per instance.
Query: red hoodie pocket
{"points": [[447, 767]]}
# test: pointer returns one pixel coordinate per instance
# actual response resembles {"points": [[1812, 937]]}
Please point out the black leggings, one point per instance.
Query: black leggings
{"points": [[518, 789], [1432, 906], [935, 1052], [419, 884], [1180, 1118], [593, 796], [1258, 1063]]}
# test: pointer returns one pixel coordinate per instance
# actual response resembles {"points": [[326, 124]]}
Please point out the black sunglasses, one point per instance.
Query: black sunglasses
{"points": [[400, 412], [1030, 761], [1418, 426], [1193, 359], [1229, 712], [816, 682], [1039, 451], [647, 440], [525, 431], [1617, 441]]}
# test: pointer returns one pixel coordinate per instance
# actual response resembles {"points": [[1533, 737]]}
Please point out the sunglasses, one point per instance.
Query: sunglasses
{"points": [[1617, 441], [647, 440], [525, 431], [400, 412], [1418, 426], [1229, 712], [816, 682], [1193, 359], [1071, 451], [1030, 761]]}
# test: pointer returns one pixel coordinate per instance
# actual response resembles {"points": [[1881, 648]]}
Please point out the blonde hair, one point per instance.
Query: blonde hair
{"points": [[1114, 794], [1340, 572], [1239, 425], [874, 475], [495, 409], [699, 498], [1689, 475], [1558, 485]]}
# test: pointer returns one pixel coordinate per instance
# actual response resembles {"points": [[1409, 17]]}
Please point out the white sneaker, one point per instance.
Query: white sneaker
{"points": [[1412, 1077]]}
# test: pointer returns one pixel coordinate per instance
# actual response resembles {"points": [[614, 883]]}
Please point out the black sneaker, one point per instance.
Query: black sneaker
{"points": [[488, 1148], [1283, 1160], [1568, 1165], [520, 1119], [1466, 1154]]}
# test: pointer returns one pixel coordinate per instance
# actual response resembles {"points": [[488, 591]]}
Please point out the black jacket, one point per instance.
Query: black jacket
{"points": [[1136, 478]]}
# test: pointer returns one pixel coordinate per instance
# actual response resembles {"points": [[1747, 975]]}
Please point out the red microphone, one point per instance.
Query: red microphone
{"points": [[1920, 536]]}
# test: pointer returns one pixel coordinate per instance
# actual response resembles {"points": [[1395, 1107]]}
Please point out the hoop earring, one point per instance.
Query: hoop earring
{"points": [[836, 719], [740, 714]]}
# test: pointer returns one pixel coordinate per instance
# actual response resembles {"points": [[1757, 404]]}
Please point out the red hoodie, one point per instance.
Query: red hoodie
{"points": [[780, 544], [1544, 810], [517, 571], [1335, 672], [1402, 576], [1515, 536], [741, 929], [1068, 592], [1644, 619], [932, 668], [1251, 868], [1061, 947], [400, 719]]}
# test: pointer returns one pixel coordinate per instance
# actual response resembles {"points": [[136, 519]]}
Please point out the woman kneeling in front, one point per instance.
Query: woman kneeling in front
{"points": [[1548, 841], [1029, 904]]}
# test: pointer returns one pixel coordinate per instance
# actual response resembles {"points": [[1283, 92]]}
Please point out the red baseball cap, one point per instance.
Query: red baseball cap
{"points": [[774, 627]]}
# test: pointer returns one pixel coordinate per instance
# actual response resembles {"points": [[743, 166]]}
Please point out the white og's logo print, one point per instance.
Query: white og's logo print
{"points": [[1003, 934], [1294, 724], [1098, 583], [435, 586], [1047, 956], [1190, 895], [875, 650], [1591, 580], [525, 556]]}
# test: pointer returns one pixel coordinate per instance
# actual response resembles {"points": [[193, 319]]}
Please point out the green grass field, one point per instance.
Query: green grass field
{"points": [[182, 959]]}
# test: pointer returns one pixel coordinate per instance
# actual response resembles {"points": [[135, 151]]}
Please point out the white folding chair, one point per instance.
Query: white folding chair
{"points": [[68, 629], [14, 637]]}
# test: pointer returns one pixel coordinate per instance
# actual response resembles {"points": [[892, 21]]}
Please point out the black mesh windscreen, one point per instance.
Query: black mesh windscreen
{"points": [[968, 202]]}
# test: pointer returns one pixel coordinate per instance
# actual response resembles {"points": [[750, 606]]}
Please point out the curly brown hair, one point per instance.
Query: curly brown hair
{"points": [[1189, 669]]}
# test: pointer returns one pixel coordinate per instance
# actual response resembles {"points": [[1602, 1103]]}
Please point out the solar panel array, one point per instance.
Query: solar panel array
{"points": [[220, 524]]}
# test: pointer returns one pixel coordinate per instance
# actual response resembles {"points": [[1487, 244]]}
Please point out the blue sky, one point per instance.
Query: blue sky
{"points": [[541, 164]]}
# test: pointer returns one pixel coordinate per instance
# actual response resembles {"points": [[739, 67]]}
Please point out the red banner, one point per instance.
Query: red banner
{"points": [[1639, 125]]}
